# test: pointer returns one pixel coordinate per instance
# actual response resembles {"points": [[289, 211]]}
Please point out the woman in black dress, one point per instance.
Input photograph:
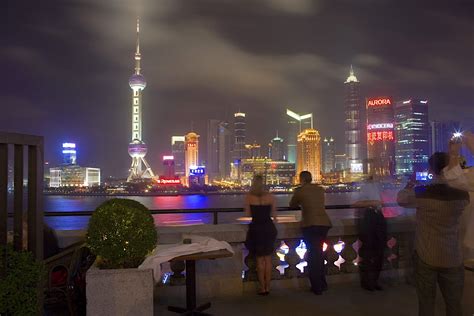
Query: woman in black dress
{"points": [[262, 233]]}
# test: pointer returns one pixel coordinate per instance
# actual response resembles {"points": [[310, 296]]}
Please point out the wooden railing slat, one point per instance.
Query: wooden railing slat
{"points": [[18, 198], [3, 193], [35, 200]]}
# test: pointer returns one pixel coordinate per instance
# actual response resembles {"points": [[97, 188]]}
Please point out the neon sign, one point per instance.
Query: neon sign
{"points": [[197, 171], [168, 181], [168, 157], [380, 101], [380, 126], [377, 136]]}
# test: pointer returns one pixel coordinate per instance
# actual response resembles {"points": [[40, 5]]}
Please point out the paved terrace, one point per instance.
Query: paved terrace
{"points": [[339, 300]]}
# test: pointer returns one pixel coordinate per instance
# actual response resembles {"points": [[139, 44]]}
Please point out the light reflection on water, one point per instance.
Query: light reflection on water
{"points": [[87, 203]]}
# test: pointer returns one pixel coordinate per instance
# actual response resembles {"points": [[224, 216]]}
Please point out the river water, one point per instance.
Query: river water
{"points": [[66, 203]]}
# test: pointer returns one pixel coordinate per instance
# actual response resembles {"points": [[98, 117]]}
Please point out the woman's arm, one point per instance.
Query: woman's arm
{"points": [[274, 209], [247, 205]]}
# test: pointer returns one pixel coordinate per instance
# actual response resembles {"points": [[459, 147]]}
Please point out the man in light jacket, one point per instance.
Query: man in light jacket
{"points": [[315, 226]]}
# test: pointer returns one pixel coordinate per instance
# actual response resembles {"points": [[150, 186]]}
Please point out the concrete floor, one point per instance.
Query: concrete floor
{"points": [[340, 300]]}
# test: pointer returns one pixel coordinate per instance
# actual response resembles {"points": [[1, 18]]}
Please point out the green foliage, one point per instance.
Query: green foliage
{"points": [[19, 290], [121, 233]]}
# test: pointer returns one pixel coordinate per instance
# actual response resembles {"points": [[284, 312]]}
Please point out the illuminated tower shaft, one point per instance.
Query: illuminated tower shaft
{"points": [[137, 149]]}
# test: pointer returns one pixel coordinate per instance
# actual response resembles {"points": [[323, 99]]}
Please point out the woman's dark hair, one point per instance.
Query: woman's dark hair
{"points": [[258, 187], [438, 161]]}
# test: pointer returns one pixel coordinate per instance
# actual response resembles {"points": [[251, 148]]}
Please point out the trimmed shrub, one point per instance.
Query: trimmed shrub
{"points": [[20, 288], [121, 233]]}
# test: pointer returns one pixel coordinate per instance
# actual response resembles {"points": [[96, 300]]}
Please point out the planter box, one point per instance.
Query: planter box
{"points": [[119, 292]]}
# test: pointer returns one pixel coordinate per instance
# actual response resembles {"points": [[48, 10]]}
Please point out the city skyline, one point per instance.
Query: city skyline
{"points": [[70, 81]]}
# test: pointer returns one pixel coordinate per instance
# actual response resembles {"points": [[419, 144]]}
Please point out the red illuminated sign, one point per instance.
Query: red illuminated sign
{"points": [[379, 135], [165, 181], [379, 101]]}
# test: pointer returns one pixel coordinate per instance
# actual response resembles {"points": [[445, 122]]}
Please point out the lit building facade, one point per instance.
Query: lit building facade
{"points": [[277, 149], [253, 150], [191, 152], [168, 167], [177, 150], [354, 125], [380, 136], [137, 149], [278, 173], [74, 176], [296, 123], [309, 153], [340, 161], [329, 155], [239, 150], [412, 133]]}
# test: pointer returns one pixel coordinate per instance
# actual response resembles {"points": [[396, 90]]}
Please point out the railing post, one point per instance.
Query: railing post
{"points": [[215, 214], [3, 204], [35, 201], [18, 198]]}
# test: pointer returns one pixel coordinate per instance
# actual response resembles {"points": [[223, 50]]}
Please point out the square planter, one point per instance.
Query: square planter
{"points": [[119, 292]]}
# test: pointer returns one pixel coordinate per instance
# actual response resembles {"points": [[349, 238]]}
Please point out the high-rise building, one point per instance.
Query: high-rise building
{"points": [[380, 136], [218, 149], [191, 152], [277, 149], [224, 148], [177, 150], [309, 153], [69, 153], [412, 133], [296, 124], [329, 155], [137, 149], [340, 162], [212, 164], [168, 167], [440, 134], [354, 124], [239, 150]]}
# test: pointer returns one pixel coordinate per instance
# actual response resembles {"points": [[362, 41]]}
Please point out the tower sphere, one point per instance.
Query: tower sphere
{"points": [[137, 148], [137, 81]]}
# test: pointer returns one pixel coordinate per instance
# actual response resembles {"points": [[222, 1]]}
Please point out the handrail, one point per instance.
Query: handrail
{"points": [[214, 211]]}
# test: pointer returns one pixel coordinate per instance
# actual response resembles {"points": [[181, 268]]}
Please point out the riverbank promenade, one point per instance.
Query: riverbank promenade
{"points": [[339, 300]]}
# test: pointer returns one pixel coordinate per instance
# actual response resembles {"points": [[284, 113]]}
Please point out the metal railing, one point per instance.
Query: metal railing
{"points": [[214, 211]]}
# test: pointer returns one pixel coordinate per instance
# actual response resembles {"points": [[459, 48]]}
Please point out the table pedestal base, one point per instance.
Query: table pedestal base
{"points": [[197, 311]]}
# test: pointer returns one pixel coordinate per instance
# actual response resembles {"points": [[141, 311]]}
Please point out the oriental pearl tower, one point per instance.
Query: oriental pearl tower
{"points": [[137, 149]]}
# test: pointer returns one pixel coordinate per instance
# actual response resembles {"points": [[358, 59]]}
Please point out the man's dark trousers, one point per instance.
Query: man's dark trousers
{"points": [[450, 281], [314, 237]]}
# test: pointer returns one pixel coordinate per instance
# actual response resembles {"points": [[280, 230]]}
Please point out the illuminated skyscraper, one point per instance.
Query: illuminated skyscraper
{"points": [[137, 149], [412, 136], [296, 123], [329, 155], [441, 133], [309, 153], [253, 150], [354, 125], [69, 153], [277, 150], [177, 149], [239, 150], [380, 137], [191, 152], [218, 149]]}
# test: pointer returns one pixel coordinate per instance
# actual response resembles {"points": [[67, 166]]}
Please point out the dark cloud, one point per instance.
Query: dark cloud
{"points": [[69, 62]]}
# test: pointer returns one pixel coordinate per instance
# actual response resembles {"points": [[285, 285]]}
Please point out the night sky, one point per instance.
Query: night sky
{"points": [[66, 66]]}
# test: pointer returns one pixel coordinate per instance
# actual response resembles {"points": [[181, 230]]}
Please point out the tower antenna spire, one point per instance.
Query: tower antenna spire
{"points": [[137, 51]]}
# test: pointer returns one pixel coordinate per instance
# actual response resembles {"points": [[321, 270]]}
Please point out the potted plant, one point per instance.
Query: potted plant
{"points": [[121, 233], [20, 287]]}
